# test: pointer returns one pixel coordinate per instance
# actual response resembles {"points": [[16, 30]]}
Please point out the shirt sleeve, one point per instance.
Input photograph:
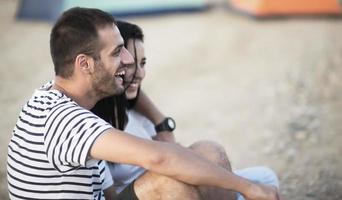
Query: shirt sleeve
{"points": [[108, 180], [70, 131]]}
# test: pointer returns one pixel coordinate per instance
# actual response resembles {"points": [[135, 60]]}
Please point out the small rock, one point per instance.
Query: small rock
{"points": [[290, 153], [300, 135], [312, 195]]}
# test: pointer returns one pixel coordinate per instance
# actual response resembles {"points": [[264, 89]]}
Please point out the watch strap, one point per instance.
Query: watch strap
{"points": [[164, 126]]}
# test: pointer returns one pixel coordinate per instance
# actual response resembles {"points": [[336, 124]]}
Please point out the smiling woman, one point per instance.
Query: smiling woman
{"points": [[135, 72]]}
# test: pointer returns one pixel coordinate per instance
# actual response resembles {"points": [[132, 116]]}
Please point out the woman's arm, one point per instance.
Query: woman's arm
{"points": [[147, 108]]}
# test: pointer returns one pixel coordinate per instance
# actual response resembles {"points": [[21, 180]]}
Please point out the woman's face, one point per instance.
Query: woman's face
{"points": [[132, 82]]}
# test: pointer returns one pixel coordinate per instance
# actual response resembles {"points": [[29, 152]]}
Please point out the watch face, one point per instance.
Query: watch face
{"points": [[171, 123]]}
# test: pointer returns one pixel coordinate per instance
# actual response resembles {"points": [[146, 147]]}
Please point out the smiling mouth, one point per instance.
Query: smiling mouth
{"points": [[120, 74]]}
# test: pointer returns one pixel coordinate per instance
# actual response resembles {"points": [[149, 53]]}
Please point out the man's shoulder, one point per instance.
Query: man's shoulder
{"points": [[49, 98], [43, 100]]}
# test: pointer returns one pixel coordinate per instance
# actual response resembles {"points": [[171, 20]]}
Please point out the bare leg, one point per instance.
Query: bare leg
{"points": [[151, 186], [215, 153]]}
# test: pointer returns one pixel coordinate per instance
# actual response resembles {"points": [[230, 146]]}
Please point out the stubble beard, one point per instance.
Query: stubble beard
{"points": [[104, 83]]}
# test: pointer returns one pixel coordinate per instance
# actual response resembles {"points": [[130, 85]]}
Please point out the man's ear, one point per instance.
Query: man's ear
{"points": [[85, 63]]}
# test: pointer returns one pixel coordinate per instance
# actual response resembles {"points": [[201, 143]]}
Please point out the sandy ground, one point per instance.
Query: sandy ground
{"points": [[269, 91]]}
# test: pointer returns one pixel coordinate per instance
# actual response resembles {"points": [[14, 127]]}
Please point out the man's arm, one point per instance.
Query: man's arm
{"points": [[174, 161], [146, 107]]}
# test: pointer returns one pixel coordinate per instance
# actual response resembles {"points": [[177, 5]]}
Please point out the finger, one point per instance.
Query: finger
{"points": [[278, 196]]}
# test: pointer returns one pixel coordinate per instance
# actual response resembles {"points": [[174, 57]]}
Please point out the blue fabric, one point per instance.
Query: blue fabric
{"points": [[259, 174]]}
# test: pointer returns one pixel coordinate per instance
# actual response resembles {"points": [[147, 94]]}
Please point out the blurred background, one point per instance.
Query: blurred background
{"points": [[263, 78]]}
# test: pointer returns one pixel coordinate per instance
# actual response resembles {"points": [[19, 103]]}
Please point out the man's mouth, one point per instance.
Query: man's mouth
{"points": [[120, 75]]}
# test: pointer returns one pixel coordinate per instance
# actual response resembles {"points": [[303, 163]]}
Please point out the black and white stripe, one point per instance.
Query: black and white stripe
{"points": [[48, 151]]}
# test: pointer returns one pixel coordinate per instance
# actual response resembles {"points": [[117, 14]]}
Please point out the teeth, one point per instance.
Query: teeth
{"points": [[122, 73]]}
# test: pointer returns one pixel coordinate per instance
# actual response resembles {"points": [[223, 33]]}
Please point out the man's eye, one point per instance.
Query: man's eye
{"points": [[116, 53]]}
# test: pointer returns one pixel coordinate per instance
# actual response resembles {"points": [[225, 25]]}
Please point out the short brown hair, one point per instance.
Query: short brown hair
{"points": [[75, 32]]}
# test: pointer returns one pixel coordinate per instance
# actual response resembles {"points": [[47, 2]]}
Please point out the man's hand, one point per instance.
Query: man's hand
{"points": [[262, 192]]}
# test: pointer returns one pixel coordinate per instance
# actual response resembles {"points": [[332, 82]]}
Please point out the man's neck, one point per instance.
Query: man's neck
{"points": [[77, 91]]}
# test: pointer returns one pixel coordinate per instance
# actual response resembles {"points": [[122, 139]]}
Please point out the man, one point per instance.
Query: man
{"points": [[58, 145]]}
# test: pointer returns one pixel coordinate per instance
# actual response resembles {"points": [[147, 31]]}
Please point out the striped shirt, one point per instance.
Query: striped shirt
{"points": [[48, 154]]}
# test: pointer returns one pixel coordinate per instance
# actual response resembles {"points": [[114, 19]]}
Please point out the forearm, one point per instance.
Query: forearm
{"points": [[168, 159], [184, 165], [146, 107], [165, 136]]}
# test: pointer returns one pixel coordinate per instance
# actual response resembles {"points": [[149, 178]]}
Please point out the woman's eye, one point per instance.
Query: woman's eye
{"points": [[142, 64]]}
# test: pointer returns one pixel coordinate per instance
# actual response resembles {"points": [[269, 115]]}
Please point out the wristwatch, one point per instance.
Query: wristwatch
{"points": [[168, 124]]}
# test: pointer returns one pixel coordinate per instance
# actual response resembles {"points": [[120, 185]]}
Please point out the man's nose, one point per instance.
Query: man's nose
{"points": [[126, 57]]}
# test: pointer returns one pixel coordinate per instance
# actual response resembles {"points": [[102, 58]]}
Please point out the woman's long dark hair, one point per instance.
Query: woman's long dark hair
{"points": [[113, 109]]}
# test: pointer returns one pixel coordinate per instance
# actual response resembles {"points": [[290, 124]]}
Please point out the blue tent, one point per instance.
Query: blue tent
{"points": [[49, 10]]}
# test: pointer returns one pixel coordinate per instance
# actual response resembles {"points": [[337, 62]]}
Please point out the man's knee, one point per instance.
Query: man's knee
{"points": [[154, 186], [212, 151]]}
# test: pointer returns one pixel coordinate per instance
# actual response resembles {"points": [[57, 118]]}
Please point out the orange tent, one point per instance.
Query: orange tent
{"points": [[287, 7]]}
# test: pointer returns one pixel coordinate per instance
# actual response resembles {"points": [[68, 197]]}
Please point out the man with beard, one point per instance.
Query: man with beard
{"points": [[58, 146]]}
